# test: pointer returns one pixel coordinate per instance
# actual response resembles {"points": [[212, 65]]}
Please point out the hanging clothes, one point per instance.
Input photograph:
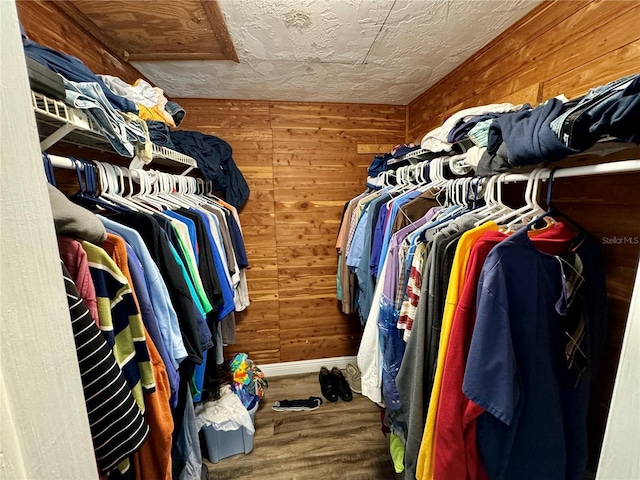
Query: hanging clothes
{"points": [[117, 426], [199, 254], [158, 292], [120, 321], [153, 460], [435, 365], [162, 253]]}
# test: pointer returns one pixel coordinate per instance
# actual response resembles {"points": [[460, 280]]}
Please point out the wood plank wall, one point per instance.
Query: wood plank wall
{"points": [[47, 24], [301, 163], [560, 47], [563, 47]]}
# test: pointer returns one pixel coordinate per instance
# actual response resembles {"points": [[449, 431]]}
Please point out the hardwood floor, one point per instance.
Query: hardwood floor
{"points": [[340, 440]]}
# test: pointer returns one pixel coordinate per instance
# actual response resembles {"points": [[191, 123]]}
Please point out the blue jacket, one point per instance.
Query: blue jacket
{"points": [[214, 160]]}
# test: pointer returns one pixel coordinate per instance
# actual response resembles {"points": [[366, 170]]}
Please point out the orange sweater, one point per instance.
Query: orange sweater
{"points": [[153, 460]]}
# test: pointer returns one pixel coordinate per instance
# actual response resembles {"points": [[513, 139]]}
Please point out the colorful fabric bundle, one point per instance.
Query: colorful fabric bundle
{"points": [[249, 383]]}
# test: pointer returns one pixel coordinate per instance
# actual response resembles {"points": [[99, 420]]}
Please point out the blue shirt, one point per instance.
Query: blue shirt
{"points": [[395, 208], [151, 322], [366, 284], [357, 243], [158, 293], [378, 239], [516, 368], [238, 242], [228, 304]]}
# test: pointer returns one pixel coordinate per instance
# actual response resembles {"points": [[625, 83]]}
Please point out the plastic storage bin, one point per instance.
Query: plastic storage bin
{"points": [[221, 444]]}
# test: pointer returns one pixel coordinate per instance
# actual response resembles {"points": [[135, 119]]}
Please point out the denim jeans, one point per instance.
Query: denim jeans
{"points": [[592, 108], [159, 133], [89, 97]]}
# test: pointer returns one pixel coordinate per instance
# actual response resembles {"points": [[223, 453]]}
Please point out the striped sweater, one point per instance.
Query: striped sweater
{"points": [[120, 322], [117, 426]]}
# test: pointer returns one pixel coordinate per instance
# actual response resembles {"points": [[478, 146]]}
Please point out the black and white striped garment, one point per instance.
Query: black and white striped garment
{"points": [[118, 428]]}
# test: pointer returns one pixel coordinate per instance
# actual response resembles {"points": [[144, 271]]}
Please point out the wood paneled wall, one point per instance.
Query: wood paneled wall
{"points": [[47, 24], [563, 47], [301, 163]]}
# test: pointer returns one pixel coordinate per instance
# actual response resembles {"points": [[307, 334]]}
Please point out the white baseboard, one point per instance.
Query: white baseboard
{"points": [[304, 366]]}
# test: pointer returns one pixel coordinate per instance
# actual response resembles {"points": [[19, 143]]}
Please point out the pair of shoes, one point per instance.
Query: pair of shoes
{"points": [[334, 385], [297, 405], [353, 376]]}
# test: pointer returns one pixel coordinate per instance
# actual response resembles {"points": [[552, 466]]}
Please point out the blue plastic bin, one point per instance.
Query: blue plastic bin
{"points": [[221, 444]]}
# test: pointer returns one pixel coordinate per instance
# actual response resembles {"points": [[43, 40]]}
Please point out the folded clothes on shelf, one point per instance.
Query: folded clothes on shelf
{"points": [[89, 97], [159, 134], [72, 69]]}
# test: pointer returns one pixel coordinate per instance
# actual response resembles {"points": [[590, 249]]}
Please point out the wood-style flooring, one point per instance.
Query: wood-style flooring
{"points": [[340, 440]]}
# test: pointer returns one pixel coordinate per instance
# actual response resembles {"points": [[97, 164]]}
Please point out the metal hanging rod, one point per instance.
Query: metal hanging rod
{"points": [[624, 166], [64, 162]]}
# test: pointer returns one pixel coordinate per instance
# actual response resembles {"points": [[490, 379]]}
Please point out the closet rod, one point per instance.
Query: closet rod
{"points": [[625, 166], [64, 162], [68, 164]]}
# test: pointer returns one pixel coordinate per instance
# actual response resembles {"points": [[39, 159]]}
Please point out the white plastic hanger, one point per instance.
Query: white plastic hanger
{"points": [[500, 208], [536, 209], [529, 204], [162, 191], [490, 201], [436, 174], [488, 191], [109, 183], [421, 175], [191, 190], [172, 191], [144, 197]]}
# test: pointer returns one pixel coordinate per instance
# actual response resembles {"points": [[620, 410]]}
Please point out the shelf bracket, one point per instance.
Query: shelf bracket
{"points": [[136, 163], [56, 136]]}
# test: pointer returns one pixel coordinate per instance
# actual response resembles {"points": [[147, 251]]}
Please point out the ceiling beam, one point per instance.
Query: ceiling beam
{"points": [[169, 56], [219, 28], [92, 29]]}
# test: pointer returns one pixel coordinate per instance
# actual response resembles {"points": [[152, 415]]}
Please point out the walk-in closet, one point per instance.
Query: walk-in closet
{"points": [[333, 239]]}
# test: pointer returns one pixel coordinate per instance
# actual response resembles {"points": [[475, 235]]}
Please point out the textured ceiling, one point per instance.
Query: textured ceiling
{"points": [[362, 51]]}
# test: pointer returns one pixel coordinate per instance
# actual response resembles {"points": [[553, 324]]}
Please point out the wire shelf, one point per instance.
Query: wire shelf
{"points": [[415, 155], [57, 122]]}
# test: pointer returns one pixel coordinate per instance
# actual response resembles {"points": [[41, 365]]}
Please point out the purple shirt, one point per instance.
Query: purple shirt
{"points": [[391, 278]]}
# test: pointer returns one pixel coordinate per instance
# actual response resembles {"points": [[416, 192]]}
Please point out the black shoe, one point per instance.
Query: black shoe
{"points": [[328, 386], [344, 391]]}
